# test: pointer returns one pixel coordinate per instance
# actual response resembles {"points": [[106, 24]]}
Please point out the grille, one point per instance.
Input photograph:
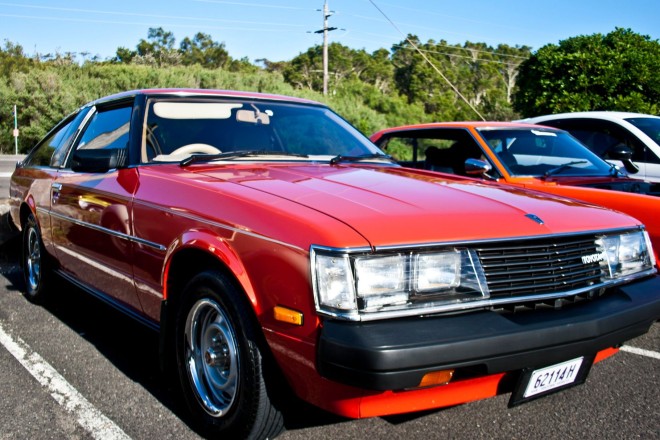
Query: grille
{"points": [[539, 266]]}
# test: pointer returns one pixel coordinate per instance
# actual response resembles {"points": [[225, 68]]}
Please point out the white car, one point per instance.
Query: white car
{"points": [[602, 131]]}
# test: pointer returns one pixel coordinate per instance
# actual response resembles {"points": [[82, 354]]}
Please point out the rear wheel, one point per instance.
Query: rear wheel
{"points": [[34, 262], [220, 363]]}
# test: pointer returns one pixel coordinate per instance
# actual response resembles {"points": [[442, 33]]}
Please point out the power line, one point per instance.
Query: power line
{"points": [[485, 60], [135, 14], [453, 87]]}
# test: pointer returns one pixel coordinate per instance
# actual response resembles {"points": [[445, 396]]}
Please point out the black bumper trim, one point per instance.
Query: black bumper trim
{"points": [[395, 354]]}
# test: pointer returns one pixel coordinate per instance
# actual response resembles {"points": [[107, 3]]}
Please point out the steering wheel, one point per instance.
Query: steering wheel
{"points": [[195, 148]]}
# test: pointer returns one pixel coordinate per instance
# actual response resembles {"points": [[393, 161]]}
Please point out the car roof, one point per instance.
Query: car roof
{"points": [[461, 124], [187, 92], [604, 115]]}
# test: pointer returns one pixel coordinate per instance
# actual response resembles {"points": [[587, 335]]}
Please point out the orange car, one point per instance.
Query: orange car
{"points": [[530, 156]]}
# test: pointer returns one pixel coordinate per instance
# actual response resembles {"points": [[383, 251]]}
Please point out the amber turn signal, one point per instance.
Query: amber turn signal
{"points": [[287, 315], [436, 378]]}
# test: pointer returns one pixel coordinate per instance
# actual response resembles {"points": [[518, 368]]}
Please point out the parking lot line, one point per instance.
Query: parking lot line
{"points": [[641, 351], [87, 416]]}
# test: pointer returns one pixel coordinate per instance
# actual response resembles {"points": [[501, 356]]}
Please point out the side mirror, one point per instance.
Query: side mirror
{"points": [[624, 154], [98, 160], [477, 167]]}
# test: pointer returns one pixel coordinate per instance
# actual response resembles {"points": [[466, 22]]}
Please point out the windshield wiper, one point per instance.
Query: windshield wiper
{"points": [[229, 155], [363, 157], [561, 168]]}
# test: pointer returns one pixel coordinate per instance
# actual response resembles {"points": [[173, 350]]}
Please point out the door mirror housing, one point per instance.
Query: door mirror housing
{"points": [[98, 160], [624, 154]]}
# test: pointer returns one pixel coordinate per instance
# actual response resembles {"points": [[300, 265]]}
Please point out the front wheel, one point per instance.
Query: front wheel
{"points": [[220, 363]]}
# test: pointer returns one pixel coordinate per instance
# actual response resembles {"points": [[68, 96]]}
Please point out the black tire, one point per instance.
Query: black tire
{"points": [[220, 363], [34, 261]]}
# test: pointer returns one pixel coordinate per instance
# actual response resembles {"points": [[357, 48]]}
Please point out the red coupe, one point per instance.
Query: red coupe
{"points": [[274, 247]]}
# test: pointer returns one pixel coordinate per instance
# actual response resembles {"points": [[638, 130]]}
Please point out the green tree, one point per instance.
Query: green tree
{"points": [[617, 71], [202, 50], [451, 81], [305, 71]]}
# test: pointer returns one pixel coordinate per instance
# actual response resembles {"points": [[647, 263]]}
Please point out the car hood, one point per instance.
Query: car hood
{"points": [[394, 206]]}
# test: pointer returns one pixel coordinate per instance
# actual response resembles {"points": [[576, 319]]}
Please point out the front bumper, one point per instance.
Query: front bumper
{"points": [[396, 354]]}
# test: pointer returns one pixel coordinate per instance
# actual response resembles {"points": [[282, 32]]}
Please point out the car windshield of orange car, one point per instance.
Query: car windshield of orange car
{"points": [[543, 153], [231, 129]]}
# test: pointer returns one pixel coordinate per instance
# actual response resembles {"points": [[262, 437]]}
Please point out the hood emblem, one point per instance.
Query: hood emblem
{"points": [[534, 217]]}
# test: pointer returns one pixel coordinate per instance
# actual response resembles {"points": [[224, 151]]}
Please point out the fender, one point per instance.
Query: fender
{"points": [[212, 244]]}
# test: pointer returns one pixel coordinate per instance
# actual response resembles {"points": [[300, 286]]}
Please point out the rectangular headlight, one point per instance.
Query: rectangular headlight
{"points": [[439, 271], [334, 282], [364, 283], [626, 254]]}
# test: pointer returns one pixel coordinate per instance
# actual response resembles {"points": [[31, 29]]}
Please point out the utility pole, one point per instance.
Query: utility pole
{"points": [[15, 133], [326, 14]]}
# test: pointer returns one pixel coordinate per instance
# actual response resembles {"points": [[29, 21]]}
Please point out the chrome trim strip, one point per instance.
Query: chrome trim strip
{"points": [[175, 212], [473, 305], [206, 221], [117, 234]]}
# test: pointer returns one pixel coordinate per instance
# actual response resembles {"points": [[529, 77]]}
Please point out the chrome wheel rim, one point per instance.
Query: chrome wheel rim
{"points": [[212, 360], [33, 259]]}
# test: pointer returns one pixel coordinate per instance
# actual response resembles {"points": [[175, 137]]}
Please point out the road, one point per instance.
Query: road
{"points": [[76, 369]]}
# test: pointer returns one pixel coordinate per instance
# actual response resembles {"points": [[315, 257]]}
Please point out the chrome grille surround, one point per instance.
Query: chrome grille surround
{"points": [[540, 266], [521, 273]]}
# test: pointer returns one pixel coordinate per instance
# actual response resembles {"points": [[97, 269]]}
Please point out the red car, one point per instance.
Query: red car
{"points": [[271, 244], [527, 156]]}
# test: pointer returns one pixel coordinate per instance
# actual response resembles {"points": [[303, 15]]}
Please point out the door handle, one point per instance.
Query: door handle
{"points": [[55, 189]]}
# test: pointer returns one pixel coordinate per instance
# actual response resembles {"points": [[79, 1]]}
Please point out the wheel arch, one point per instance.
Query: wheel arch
{"points": [[193, 253], [197, 251], [27, 207]]}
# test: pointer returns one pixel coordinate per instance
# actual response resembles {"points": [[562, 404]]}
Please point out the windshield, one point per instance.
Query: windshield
{"points": [[650, 127], [178, 128], [542, 152]]}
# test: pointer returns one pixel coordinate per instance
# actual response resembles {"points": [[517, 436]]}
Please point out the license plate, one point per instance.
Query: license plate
{"points": [[546, 380], [556, 376]]}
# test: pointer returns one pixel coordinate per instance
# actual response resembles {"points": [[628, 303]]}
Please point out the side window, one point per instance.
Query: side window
{"points": [[107, 129], [617, 135], [44, 153], [600, 136], [444, 150]]}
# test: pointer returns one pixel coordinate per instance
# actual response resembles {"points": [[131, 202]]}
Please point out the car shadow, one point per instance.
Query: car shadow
{"points": [[130, 346]]}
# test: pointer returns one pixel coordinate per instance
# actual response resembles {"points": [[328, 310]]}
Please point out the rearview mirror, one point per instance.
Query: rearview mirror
{"points": [[253, 117], [98, 160], [624, 154], [477, 167]]}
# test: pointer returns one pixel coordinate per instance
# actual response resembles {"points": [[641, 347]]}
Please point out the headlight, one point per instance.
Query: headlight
{"points": [[626, 254], [358, 285]]}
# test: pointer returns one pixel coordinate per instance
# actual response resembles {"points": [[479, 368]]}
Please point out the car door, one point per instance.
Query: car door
{"points": [[91, 212]]}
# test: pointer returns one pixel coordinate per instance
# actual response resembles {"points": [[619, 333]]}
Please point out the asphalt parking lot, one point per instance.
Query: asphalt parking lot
{"points": [[74, 368]]}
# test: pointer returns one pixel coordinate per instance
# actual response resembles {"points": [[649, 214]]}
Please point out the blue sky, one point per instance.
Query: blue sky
{"points": [[281, 29]]}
